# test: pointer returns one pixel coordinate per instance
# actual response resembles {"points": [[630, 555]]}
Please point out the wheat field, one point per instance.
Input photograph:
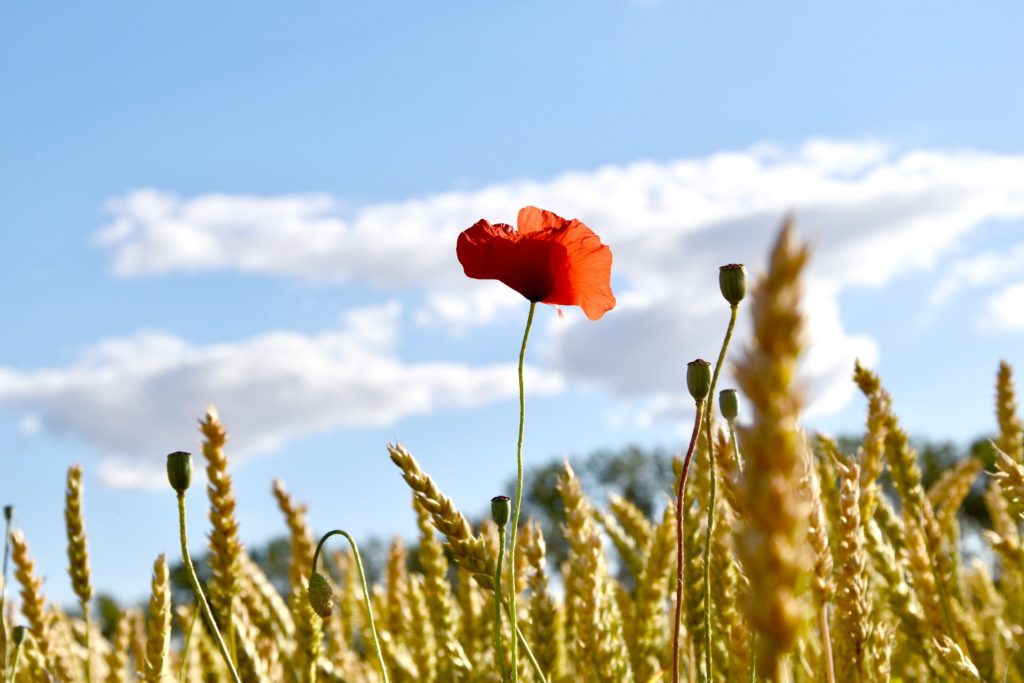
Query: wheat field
{"points": [[806, 569]]}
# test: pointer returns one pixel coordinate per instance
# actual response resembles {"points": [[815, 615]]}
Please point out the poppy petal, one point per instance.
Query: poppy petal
{"points": [[584, 281], [531, 219], [495, 252], [549, 260]]}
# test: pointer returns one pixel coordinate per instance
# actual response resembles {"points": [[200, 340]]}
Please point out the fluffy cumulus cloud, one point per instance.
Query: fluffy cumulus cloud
{"points": [[137, 398], [871, 214]]}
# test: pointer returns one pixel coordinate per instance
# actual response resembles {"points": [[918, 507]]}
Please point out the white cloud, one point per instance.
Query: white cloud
{"points": [[136, 399], [1005, 309], [871, 215], [982, 269]]}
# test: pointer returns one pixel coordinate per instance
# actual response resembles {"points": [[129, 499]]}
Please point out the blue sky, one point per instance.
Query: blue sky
{"points": [[255, 204]]}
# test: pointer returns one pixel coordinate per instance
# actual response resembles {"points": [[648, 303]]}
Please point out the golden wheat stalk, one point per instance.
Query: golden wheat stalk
{"points": [[773, 545], [469, 551], [78, 555], [1011, 429], [158, 629], [33, 604], [872, 460], [851, 581], [225, 548]]}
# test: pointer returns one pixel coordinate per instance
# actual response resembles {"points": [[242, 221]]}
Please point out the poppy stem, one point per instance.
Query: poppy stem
{"points": [[201, 602], [8, 514], [679, 540], [519, 496], [708, 664], [366, 592], [500, 649]]}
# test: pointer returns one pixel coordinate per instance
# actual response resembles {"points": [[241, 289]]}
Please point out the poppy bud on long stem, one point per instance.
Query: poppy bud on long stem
{"points": [[732, 280], [18, 636], [321, 597], [500, 510], [698, 378], [179, 471], [679, 540]]}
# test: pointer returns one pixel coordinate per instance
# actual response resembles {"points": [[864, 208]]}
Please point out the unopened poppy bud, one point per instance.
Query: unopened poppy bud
{"points": [[729, 403], [698, 378], [501, 510], [321, 597], [19, 634], [179, 470], [732, 280], [8, 512]]}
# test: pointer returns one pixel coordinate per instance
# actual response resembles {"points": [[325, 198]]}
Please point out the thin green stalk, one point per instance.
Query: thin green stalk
{"points": [[519, 492], [14, 665], [183, 673], [8, 513], [538, 672], [366, 591], [735, 446], [753, 657], [708, 664], [497, 605], [679, 541], [198, 590]]}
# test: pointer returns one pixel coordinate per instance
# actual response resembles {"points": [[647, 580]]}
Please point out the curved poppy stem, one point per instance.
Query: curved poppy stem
{"points": [[366, 590], [519, 495], [679, 541], [713, 466]]}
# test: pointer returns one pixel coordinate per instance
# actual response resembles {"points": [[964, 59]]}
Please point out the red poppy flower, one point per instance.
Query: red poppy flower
{"points": [[549, 260]]}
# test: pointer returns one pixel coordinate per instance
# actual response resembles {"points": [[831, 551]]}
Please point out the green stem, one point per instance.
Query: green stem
{"points": [[735, 446], [677, 622], [183, 672], [198, 590], [3, 605], [366, 591], [14, 665], [708, 664], [497, 606], [529, 653], [519, 493], [753, 657]]}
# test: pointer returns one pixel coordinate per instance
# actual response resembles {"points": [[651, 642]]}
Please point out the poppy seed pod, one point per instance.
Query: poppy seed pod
{"points": [[179, 470], [321, 597], [19, 634], [732, 280], [698, 378], [501, 510], [729, 404], [8, 512]]}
